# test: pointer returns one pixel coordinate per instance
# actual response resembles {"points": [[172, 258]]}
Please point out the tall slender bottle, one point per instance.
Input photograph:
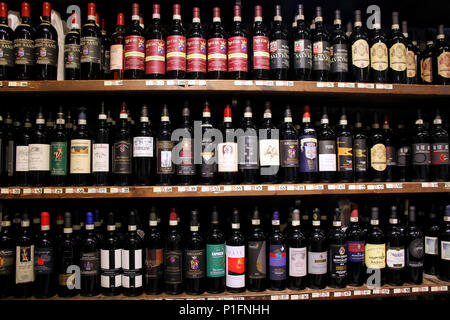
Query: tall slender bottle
{"points": [[426, 59], [277, 256], [46, 47], [256, 253], [173, 257], [379, 58], [80, 152], [321, 49], [194, 258], [297, 256], [395, 251], [207, 170], [412, 56], [355, 248], [360, 55], [153, 257], [442, 51], [101, 151], [105, 51], [117, 49], [344, 150], [237, 48], [269, 148], [317, 254], [215, 255], [377, 151], [58, 152], [431, 251], [72, 50], [391, 154], [90, 259], [397, 52], [414, 249], [24, 264], [327, 150], [165, 170], [176, 47], [279, 48], [289, 157], [6, 45], [248, 148], [227, 151], [360, 151], [155, 47], [91, 58], [439, 150], [235, 256], [217, 48], [302, 51], [23, 139], [444, 247], [39, 153], [122, 150], [143, 149], [24, 35], [185, 150], [132, 247], [134, 47], [196, 48], [337, 253], [339, 50], [9, 144], [7, 256], [375, 250], [308, 149], [110, 259], [421, 151], [403, 154]]}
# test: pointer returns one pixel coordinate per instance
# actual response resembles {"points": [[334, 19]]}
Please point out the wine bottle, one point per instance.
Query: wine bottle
{"points": [[431, 253], [227, 151], [256, 252], [344, 150], [153, 243], [412, 53], [269, 148], [134, 47], [377, 151], [105, 51], [360, 151], [397, 52], [248, 148], [132, 259], [421, 151], [49, 124], [215, 255], [339, 51], [117, 49], [24, 35], [395, 251], [185, 150], [355, 248], [426, 59], [7, 256], [80, 152], [164, 145], [279, 48], [317, 254], [302, 51], [444, 247], [379, 58], [194, 258], [414, 249], [217, 48], [277, 256], [110, 259], [143, 149], [23, 139], [327, 150], [235, 256], [442, 51], [208, 168], [155, 47], [360, 56], [89, 259], [375, 251], [321, 49], [122, 150], [391, 154], [196, 48], [90, 43], [439, 150], [296, 242], [24, 266], [9, 145], [289, 158], [176, 47], [237, 48], [72, 50], [403, 154], [337, 253], [308, 149], [39, 153], [58, 152], [173, 257], [101, 151]]}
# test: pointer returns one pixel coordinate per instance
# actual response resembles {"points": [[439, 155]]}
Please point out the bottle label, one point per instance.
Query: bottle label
{"points": [[217, 54], [132, 268], [414, 255], [431, 245], [277, 262], [80, 156], [338, 261], [443, 64], [426, 70], [279, 54], [176, 53], [445, 250], [360, 154], [302, 54], [397, 55], [228, 157], [7, 262], [317, 262], [24, 52], [321, 55], [195, 264], [116, 57], [186, 156], [107, 61], [143, 147], [134, 53], [235, 266], [66, 259], [261, 55], [90, 50], [164, 157], [90, 263], [390, 156], [196, 55], [421, 154], [411, 64], [378, 157], [308, 154], [100, 157], [375, 256], [395, 257], [289, 153], [72, 56], [327, 155], [173, 267], [155, 56], [237, 54], [209, 166], [22, 158], [297, 262], [215, 260], [379, 56], [269, 152], [58, 158], [122, 152], [39, 157], [403, 155], [360, 54], [355, 251], [257, 259], [345, 155], [24, 264], [248, 152], [46, 52], [339, 58], [439, 154], [154, 263], [110, 264]]}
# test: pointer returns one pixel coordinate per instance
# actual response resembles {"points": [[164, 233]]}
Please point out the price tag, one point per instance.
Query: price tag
{"points": [[5, 191], [192, 82], [26, 191], [259, 83], [397, 290], [101, 190], [357, 292], [247, 188], [271, 188], [330, 84], [47, 191], [370, 86], [304, 296], [125, 190], [248, 82], [376, 291], [380, 187], [170, 82], [279, 83], [424, 289], [337, 294], [181, 83], [321, 84], [379, 86], [1, 83], [156, 189], [309, 187], [15, 191], [238, 83], [347, 293], [430, 184], [360, 85], [282, 188], [336, 187], [258, 188], [284, 297], [294, 296], [406, 290], [113, 83], [237, 188], [80, 190], [388, 86], [394, 186], [113, 190], [352, 187], [290, 188], [318, 187], [150, 83], [444, 288], [331, 187], [325, 294], [167, 189], [227, 188], [350, 85], [37, 190], [205, 189], [447, 185], [58, 190], [202, 83], [315, 295], [301, 187], [274, 297], [216, 188], [290, 83], [341, 85], [92, 190], [268, 83], [212, 298], [366, 292], [434, 289], [192, 189], [416, 289], [385, 291], [181, 189]]}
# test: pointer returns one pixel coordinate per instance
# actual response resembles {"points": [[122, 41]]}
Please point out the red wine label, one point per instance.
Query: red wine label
{"points": [[327, 155], [24, 51], [235, 266], [397, 54], [6, 53], [176, 53], [80, 156], [411, 64], [421, 153], [90, 263], [360, 154], [302, 54], [227, 157], [279, 54], [72, 56], [237, 54], [155, 60], [277, 262], [345, 153], [248, 152], [196, 55], [355, 251], [100, 157], [289, 153], [154, 263], [360, 54], [43, 260], [390, 156], [443, 64], [261, 55], [173, 267], [116, 62], [106, 63], [122, 157], [338, 261], [379, 56], [164, 157], [195, 264], [217, 54], [427, 70], [186, 158], [90, 50], [24, 264], [321, 55], [134, 53], [46, 52], [439, 153], [7, 258]]}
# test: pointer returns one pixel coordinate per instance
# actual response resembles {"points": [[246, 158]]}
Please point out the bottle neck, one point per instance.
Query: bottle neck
{"points": [[46, 19], [26, 20]]}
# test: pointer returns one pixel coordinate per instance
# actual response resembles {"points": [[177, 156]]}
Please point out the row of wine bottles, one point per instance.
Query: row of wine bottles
{"points": [[69, 262], [298, 52], [56, 154]]}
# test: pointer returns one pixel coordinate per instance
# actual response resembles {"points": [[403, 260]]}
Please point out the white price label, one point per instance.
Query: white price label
{"points": [[350, 85], [248, 82], [80, 190], [447, 185], [58, 190], [360, 85], [357, 292], [268, 83], [205, 189], [238, 83], [101, 190], [150, 83], [167, 189], [379, 86], [280, 83], [325, 294], [282, 188], [192, 82], [388, 86], [271, 188], [237, 188], [113, 190], [304, 296], [69, 190], [181, 189], [37, 190], [290, 83], [258, 188], [290, 188], [425, 289], [113, 83], [181, 83], [216, 188], [301, 187], [397, 290], [366, 292], [227, 188], [444, 288], [430, 184], [330, 84], [26, 191], [92, 190], [406, 290], [321, 84], [315, 295], [259, 83], [416, 289], [15, 191], [247, 188], [274, 297], [347, 293], [125, 190], [370, 86], [294, 296], [376, 291], [170, 82], [47, 191], [156, 189], [318, 187], [192, 188], [337, 294], [434, 289], [5, 191], [385, 291], [201, 83], [309, 187], [284, 297], [341, 85]]}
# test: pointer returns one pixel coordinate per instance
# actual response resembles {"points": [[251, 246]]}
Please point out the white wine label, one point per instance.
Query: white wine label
{"points": [[24, 264], [126, 263], [431, 245], [39, 157], [105, 281], [143, 147], [235, 266], [297, 262], [105, 262], [22, 158], [100, 157], [269, 152], [228, 157], [445, 250], [317, 262], [80, 156]]}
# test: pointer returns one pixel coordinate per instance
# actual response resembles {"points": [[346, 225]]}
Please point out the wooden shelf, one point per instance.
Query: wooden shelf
{"points": [[223, 190], [430, 285]]}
